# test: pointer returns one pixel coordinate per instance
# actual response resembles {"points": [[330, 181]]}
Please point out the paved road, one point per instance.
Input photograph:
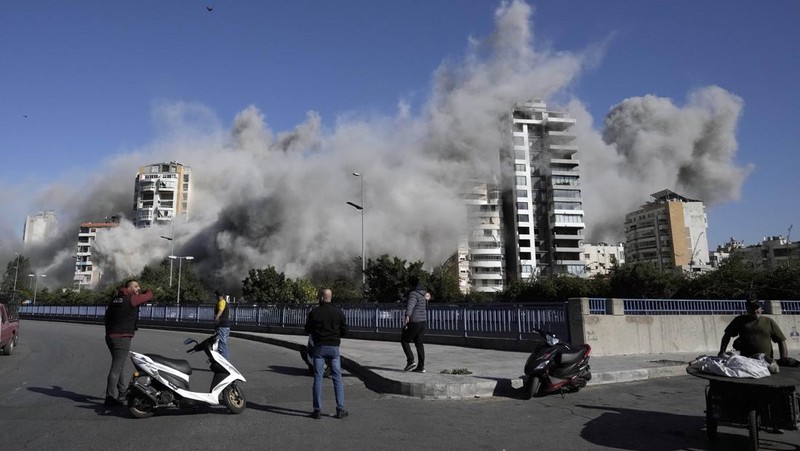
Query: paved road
{"points": [[51, 398]]}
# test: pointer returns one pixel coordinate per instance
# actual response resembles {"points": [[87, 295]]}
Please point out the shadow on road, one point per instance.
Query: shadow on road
{"points": [[289, 370], [643, 430], [278, 410]]}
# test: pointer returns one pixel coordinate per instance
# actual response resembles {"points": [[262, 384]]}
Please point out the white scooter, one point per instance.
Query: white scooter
{"points": [[160, 382]]}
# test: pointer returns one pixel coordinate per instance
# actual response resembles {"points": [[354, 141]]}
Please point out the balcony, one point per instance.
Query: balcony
{"points": [[559, 122], [557, 137]]}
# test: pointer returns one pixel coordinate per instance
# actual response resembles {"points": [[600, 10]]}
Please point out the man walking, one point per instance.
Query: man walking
{"points": [[416, 322], [120, 319], [221, 325], [327, 325]]}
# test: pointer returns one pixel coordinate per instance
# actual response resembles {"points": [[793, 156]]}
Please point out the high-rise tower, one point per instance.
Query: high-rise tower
{"points": [[161, 192], [542, 204]]}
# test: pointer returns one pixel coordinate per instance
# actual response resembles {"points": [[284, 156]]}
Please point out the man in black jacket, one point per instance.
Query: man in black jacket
{"points": [[327, 326], [120, 318]]}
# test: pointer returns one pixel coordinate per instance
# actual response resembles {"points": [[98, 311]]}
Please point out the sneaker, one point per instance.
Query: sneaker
{"points": [[341, 414], [315, 415], [410, 366], [419, 370]]}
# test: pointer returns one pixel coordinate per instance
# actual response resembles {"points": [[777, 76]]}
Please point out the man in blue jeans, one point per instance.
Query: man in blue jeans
{"points": [[327, 325], [221, 325]]}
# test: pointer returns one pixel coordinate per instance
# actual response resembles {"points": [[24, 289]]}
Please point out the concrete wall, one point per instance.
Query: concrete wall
{"points": [[618, 334]]}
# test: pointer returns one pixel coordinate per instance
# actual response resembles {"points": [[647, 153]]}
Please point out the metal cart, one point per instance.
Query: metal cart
{"points": [[765, 403]]}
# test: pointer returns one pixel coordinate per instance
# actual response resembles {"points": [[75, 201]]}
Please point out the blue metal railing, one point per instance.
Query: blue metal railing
{"points": [[597, 306], [790, 307], [490, 321], [683, 307]]}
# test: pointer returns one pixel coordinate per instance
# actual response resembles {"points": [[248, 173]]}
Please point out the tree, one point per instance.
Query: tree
{"points": [[443, 284], [15, 275], [267, 286], [389, 279], [642, 280], [304, 291]]}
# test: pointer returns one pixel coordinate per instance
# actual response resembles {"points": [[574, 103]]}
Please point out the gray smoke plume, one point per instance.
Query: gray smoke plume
{"points": [[261, 197], [650, 144]]}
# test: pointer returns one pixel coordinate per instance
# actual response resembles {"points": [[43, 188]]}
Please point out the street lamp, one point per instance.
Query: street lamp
{"points": [[16, 274], [180, 262], [172, 251], [361, 209], [36, 284]]}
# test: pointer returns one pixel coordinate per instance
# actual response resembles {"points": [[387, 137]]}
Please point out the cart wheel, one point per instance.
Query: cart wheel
{"points": [[752, 429]]}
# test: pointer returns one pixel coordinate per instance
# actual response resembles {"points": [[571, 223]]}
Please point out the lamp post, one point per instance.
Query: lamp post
{"points": [[36, 284], [16, 274], [172, 251], [361, 209], [180, 262]]}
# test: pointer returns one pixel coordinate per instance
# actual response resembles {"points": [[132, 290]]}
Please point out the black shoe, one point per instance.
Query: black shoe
{"points": [[410, 366], [341, 414], [315, 415], [419, 370]]}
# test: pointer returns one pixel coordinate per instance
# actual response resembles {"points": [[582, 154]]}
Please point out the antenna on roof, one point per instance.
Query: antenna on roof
{"points": [[789, 233]]}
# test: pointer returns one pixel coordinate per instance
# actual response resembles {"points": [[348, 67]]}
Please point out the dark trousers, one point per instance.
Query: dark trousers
{"points": [[119, 349], [414, 331]]}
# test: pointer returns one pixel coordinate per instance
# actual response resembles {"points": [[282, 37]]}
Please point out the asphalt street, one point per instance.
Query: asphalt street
{"points": [[51, 394]]}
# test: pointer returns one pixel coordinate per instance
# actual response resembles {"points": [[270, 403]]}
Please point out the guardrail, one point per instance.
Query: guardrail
{"points": [[515, 321]]}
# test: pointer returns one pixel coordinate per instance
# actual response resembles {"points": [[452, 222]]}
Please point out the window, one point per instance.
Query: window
{"points": [[520, 168], [525, 255], [522, 205], [523, 218], [522, 193], [519, 141], [521, 180], [524, 230], [567, 205], [527, 269], [524, 243]]}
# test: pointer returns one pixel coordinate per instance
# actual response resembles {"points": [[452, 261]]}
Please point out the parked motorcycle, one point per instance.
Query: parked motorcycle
{"points": [[556, 367], [305, 354], [160, 382]]}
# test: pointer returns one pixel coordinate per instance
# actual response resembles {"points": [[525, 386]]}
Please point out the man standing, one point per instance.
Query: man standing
{"points": [[327, 325], [221, 325], [756, 334], [416, 322], [120, 319]]}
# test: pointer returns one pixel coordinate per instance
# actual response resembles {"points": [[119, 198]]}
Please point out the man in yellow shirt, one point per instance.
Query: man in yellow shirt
{"points": [[221, 325]]}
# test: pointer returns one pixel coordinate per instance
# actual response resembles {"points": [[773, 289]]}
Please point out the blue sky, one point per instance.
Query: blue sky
{"points": [[80, 81]]}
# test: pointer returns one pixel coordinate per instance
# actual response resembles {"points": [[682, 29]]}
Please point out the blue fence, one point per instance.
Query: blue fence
{"points": [[478, 321], [683, 307]]}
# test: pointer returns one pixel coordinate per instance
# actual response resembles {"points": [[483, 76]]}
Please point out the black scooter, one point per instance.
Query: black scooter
{"points": [[556, 367]]}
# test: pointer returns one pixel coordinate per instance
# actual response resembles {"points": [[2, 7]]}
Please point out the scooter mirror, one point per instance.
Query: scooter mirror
{"points": [[189, 341]]}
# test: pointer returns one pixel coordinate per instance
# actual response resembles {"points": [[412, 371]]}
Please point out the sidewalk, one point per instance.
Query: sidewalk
{"points": [[494, 373]]}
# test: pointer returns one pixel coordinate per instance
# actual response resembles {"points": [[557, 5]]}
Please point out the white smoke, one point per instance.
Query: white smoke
{"points": [[261, 197]]}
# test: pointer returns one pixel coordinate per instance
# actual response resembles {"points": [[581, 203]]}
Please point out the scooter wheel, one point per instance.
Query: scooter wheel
{"points": [[141, 407], [233, 398], [530, 387]]}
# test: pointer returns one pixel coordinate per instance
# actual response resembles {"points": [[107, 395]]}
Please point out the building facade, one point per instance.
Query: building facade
{"points": [[670, 232], [161, 193], [481, 263], [39, 227], [601, 257], [542, 201], [87, 274], [771, 252]]}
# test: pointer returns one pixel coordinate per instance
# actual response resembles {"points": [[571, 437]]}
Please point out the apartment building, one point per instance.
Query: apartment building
{"points": [[542, 203], [771, 252], [481, 265], [39, 227], [161, 192], [670, 232], [601, 257], [87, 274]]}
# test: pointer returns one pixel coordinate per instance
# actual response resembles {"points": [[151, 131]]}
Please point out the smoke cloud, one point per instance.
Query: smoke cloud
{"points": [[261, 197]]}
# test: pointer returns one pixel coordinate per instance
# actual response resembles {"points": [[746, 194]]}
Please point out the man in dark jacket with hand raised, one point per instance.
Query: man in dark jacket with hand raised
{"points": [[121, 316]]}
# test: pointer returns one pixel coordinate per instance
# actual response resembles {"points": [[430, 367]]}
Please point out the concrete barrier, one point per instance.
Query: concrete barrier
{"points": [[618, 334]]}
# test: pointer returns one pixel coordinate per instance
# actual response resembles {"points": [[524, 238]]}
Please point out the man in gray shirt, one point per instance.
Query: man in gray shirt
{"points": [[416, 321]]}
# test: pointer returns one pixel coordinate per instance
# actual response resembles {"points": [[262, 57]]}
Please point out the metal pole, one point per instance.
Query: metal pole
{"points": [[16, 274], [180, 260], [363, 257]]}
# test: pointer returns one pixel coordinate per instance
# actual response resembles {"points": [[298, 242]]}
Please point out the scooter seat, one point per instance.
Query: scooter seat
{"points": [[571, 357], [180, 365]]}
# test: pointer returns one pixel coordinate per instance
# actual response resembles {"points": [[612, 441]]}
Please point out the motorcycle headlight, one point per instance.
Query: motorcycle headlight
{"points": [[541, 365], [144, 380]]}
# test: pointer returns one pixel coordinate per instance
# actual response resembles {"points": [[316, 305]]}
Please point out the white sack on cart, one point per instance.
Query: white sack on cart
{"points": [[733, 365]]}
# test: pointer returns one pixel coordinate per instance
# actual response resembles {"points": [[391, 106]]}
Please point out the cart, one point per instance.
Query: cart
{"points": [[765, 403]]}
